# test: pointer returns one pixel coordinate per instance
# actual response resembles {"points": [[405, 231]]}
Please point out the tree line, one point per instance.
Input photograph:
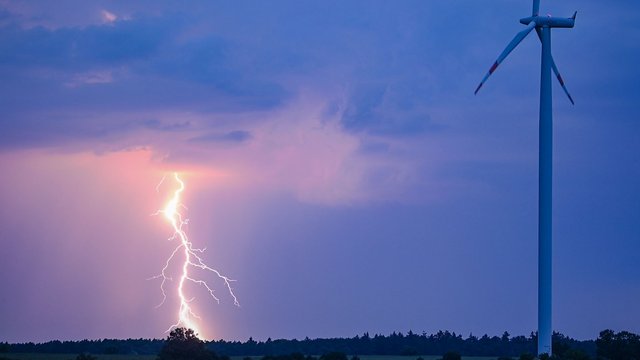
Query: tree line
{"points": [[397, 343], [609, 345]]}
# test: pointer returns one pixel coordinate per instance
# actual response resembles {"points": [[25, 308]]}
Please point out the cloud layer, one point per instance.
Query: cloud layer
{"points": [[338, 164]]}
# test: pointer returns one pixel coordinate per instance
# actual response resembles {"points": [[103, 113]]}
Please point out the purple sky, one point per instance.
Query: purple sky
{"points": [[337, 165]]}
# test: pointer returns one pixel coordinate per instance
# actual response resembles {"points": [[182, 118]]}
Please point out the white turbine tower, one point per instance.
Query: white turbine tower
{"points": [[543, 26]]}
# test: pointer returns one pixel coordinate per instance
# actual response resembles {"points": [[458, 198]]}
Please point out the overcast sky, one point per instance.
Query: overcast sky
{"points": [[337, 165]]}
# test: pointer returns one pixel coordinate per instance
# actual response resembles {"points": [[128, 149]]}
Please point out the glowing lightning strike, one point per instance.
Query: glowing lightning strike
{"points": [[186, 316]]}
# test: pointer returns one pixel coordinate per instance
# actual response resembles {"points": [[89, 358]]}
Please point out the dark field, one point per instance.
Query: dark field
{"points": [[152, 357]]}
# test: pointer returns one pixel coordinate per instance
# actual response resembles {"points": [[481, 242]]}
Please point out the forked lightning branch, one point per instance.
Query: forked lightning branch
{"points": [[191, 262]]}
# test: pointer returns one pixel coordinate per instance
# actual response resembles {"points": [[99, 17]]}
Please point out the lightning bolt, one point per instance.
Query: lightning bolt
{"points": [[191, 259]]}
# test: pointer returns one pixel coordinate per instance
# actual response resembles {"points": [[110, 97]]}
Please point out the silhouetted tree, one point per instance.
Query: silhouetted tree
{"points": [[334, 356], [618, 346], [545, 356], [451, 355], [183, 344]]}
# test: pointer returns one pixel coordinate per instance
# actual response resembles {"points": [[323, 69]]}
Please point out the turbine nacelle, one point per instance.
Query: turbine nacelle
{"points": [[549, 21], [538, 23]]}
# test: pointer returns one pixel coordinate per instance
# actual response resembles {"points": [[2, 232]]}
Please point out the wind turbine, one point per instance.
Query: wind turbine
{"points": [[543, 26]]}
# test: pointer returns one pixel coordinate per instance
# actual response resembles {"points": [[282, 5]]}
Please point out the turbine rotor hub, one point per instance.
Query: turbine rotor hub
{"points": [[550, 21]]}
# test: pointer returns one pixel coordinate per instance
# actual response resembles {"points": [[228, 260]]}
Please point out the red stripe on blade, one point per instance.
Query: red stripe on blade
{"points": [[493, 67]]}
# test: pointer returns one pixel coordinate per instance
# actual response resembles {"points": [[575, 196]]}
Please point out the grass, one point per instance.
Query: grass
{"points": [[12, 356], [425, 357], [17, 356]]}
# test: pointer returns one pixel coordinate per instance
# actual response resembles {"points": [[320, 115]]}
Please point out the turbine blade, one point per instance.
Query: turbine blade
{"points": [[561, 81], [557, 72], [512, 45], [536, 8]]}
